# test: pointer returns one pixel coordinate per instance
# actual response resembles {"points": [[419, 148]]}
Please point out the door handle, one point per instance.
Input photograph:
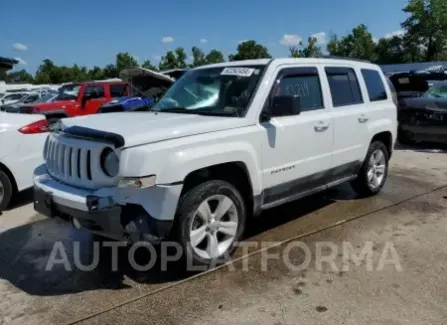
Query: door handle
{"points": [[321, 126], [363, 118]]}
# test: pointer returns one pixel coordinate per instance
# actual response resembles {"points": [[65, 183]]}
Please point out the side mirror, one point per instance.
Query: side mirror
{"points": [[282, 106]]}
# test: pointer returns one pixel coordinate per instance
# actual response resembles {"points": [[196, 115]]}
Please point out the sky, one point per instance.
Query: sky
{"points": [[91, 32]]}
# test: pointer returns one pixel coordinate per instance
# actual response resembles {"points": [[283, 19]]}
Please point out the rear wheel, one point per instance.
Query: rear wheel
{"points": [[5, 190], [210, 220], [374, 171]]}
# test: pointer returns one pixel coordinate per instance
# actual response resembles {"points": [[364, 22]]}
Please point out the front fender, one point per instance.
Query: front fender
{"points": [[173, 165]]}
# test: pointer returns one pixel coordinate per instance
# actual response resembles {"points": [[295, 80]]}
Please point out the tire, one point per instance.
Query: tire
{"points": [[365, 186], [188, 218], [6, 190]]}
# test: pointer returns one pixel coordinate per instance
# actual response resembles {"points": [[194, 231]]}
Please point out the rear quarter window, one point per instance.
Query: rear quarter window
{"points": [[374, 85]]}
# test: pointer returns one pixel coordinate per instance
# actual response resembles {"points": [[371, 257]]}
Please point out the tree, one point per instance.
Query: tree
{"points": [[198, 57], [173, 60], [125, 61], [148, 65], [427, 27], [310, 51], [250, 50], [96, 73], [358, 44], [390, 50], [214, 56], [19, 77], [110, 71]]}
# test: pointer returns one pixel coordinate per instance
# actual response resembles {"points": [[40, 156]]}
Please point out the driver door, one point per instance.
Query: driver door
{"points": [[296, 149], [92, 105]]}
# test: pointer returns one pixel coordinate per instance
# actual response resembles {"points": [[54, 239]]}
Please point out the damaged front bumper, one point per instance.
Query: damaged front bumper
{"points": [[424, 125], [121, 214]]}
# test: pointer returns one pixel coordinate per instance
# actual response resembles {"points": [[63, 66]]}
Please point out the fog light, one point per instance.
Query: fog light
{"points": [[76, 223]]}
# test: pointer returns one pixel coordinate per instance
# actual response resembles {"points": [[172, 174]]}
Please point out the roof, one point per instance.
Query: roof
{"points": [[286, 61], [8, 61]]}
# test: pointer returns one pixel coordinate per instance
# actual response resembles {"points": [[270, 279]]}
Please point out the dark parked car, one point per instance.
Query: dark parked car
{"points": [[423, 117]]}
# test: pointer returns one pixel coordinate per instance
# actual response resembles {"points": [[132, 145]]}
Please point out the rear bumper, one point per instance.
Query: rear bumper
{"points": [[129, 214]]}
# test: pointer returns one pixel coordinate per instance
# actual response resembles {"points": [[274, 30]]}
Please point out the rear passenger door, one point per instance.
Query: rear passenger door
{"points": [[350, 117], [296, 149]]}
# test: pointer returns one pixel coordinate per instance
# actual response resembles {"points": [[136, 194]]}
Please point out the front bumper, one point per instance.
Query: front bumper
{"points": [[121, 214], [426, 133]]}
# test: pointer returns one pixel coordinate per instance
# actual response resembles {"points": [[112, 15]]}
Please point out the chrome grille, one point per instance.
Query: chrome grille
{"points": [[76, 161]]}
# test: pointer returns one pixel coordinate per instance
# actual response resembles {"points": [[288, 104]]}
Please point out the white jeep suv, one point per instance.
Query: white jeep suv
{"points": [[225, 142]]}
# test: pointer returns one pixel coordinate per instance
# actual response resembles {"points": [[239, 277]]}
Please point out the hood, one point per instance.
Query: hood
{"points": [[137, 128], [59, 104], [429, 103], [149, 82]]}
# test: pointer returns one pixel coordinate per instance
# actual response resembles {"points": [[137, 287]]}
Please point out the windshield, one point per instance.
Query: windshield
{"points": [[213, 91], [45, 98], [437, 91], [68, 92]]}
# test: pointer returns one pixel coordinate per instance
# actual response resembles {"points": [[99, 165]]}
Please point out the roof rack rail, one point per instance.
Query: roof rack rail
{"points": [[341, 58]]}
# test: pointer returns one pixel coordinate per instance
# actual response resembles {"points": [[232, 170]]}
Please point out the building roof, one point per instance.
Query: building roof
{"points": [[8, 61]]}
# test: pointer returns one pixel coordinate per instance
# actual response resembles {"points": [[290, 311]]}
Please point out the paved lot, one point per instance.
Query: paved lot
{"points": [[408, 218]]}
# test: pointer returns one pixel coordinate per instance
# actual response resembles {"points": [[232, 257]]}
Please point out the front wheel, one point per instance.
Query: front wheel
{"points": [[209, 222], [374, 171]]}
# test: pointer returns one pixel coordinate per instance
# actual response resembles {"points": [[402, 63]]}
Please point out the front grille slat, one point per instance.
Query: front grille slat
{"points": [[74, 163], [83, 164]]}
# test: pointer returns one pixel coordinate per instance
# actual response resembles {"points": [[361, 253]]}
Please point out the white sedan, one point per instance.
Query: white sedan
{"points": [[22, 138]]}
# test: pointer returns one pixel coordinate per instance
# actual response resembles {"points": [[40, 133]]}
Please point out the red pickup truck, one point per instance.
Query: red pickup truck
{"points": [[77, 99]]}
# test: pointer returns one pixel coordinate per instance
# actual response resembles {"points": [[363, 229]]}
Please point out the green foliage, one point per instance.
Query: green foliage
{"points": [[311, 50], [148, 65], [173, 60], [250, 50], [426, 27], [19, 77], [358, 44]]}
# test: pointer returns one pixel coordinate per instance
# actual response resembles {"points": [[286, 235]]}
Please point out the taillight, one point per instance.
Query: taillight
{"points": [[36, 127]]}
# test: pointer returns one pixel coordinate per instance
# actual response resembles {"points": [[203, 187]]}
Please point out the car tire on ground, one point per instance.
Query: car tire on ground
{"points": [[210, 220], [374, 171], [6, 190]]}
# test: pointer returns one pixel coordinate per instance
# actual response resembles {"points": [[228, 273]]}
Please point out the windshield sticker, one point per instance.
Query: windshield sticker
{"points": [[241, 72], [404, 81]]}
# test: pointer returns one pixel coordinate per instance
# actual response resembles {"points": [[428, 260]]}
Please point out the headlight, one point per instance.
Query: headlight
{"points": [[110, 162]]}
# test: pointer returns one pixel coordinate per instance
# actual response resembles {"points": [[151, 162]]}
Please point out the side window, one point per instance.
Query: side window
{"points": [[31, 98], [117, 90], [345, 88], [303, 83], [98, 90], [374, 84]]}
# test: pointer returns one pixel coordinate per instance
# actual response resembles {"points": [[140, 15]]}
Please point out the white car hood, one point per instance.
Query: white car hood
{"points": [[139, 128]]}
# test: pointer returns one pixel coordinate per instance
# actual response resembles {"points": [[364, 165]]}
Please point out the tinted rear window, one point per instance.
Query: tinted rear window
{"points": [[345, 89], [374, 85]]}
